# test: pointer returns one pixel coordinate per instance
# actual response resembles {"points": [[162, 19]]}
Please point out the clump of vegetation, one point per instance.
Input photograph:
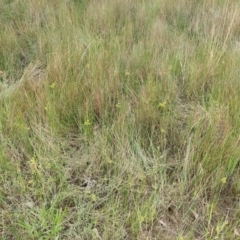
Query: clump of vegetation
{"points": [[119, 119]]}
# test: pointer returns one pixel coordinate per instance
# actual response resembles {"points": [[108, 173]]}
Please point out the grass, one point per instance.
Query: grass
{"points": [[119, 119]]}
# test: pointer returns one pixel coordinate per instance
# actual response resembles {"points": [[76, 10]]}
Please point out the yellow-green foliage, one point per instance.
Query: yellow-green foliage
{"points": [[119, 119]]}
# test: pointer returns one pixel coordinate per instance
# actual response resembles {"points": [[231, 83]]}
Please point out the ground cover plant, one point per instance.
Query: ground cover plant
{"points": [[119, 119]]}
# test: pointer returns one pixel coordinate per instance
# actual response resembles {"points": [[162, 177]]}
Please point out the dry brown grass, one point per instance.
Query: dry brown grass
{"points": [[119, 119]]}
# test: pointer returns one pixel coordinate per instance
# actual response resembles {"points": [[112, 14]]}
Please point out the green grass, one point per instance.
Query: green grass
{"points": [[119, 119]]}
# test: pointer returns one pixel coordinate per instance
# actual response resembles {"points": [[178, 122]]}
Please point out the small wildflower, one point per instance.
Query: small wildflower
{"points": [[93, 198], [162, 105], [87, 123], [33, 160], [52, 86], [30, 182], [118, 105], [46, 108], [162, 130], [48, 165], [224, 180], [22, 126], [153, 211], [142, 219], [33, 164], [110, 161], [127, 73]]}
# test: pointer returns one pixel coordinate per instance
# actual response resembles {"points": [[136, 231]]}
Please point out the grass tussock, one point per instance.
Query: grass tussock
{"points": [[119, 119]]}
